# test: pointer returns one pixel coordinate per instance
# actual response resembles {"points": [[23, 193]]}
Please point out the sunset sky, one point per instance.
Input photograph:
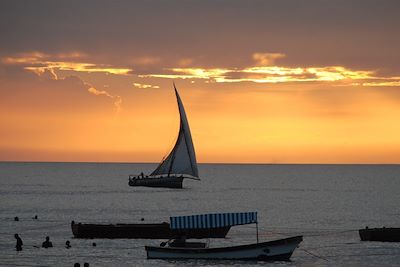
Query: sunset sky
{"points": [[262, 81]]}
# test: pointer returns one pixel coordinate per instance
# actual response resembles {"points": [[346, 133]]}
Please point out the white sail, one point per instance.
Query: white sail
{"points": [[182, 159]]}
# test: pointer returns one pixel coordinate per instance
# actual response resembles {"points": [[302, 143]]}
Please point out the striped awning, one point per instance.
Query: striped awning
{"points": [[217, 220]]}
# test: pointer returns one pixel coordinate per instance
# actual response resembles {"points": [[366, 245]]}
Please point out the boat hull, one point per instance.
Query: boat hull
{"points": [[145, 231], [165, 182], [278, 250], [380, 234]]}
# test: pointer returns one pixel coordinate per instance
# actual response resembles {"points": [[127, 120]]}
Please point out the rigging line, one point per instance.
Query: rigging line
{"points": [[307, 234], [313, 254], [17, 264], [363, 255], [167, 157], [170, 155], [311, 234], [334, 246], [270, 233], [171, 152], [43, 227], [311, 229], [329, 233], [128, 248], [326, 234], [172, 134]]}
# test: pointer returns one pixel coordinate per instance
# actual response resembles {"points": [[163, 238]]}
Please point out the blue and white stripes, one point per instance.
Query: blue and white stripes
{"points": [[217, 220]]}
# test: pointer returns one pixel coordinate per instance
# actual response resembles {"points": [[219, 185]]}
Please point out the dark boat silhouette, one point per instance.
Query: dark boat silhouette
{"points": [[142, 230], [380, 234]]}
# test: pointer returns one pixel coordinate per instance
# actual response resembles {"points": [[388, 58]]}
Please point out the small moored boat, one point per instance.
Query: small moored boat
{"points": [[277, 250], [380, 234]]}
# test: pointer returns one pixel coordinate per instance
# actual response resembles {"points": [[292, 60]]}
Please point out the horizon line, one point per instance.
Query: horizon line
{"points": [[209, 163]]}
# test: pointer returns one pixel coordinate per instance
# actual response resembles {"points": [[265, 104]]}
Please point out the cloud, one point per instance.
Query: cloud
{"points": [[267, 74], [46, 65], [379, 84], [184, 62], [116, 98], [146, 60], [24, 93], [264, 72], [47, 78], [266, 59], [145, 86], [75, 81], [40, 63], [46, 73], [189, 73]]}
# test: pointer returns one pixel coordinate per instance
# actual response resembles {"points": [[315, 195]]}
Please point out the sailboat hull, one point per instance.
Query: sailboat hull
{"points": [[164, 182]]}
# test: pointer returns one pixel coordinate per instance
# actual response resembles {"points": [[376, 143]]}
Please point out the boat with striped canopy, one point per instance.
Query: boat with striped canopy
{"points": [[277, 250], [179, 164]]}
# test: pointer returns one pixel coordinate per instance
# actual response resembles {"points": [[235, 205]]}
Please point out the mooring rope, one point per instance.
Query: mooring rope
{"points": [[313, 254], [37, 228], [319, 232]]}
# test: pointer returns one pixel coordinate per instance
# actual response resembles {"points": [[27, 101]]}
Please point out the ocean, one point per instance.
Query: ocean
{"points": [[327, 204]]}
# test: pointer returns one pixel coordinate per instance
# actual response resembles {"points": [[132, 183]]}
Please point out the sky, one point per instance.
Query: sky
{"points": [[262, 81]]}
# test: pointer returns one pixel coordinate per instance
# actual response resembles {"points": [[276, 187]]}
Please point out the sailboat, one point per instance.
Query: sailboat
{"points": [[180, 162]]}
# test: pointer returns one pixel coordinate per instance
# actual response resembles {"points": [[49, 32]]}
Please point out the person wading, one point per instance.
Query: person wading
{"points": [[19, 244], [47, 243]]}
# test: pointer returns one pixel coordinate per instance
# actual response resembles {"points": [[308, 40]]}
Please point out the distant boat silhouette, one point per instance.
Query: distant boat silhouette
{"points": [[179, 164], [142, 231], [380, 234]]}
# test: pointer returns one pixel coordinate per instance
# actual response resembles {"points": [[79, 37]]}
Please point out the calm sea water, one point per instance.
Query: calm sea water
{"points": [[324, 203]]}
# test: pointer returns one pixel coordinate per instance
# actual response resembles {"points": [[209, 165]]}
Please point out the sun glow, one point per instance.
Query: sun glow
{"points": [[102, 117]]}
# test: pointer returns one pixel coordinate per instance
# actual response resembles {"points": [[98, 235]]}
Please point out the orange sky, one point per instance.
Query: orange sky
{"points": [[273, 82]]}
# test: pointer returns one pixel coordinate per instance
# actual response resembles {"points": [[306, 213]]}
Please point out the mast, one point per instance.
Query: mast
{"points": [[257, 230], [182, 130], [182, 158]]}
